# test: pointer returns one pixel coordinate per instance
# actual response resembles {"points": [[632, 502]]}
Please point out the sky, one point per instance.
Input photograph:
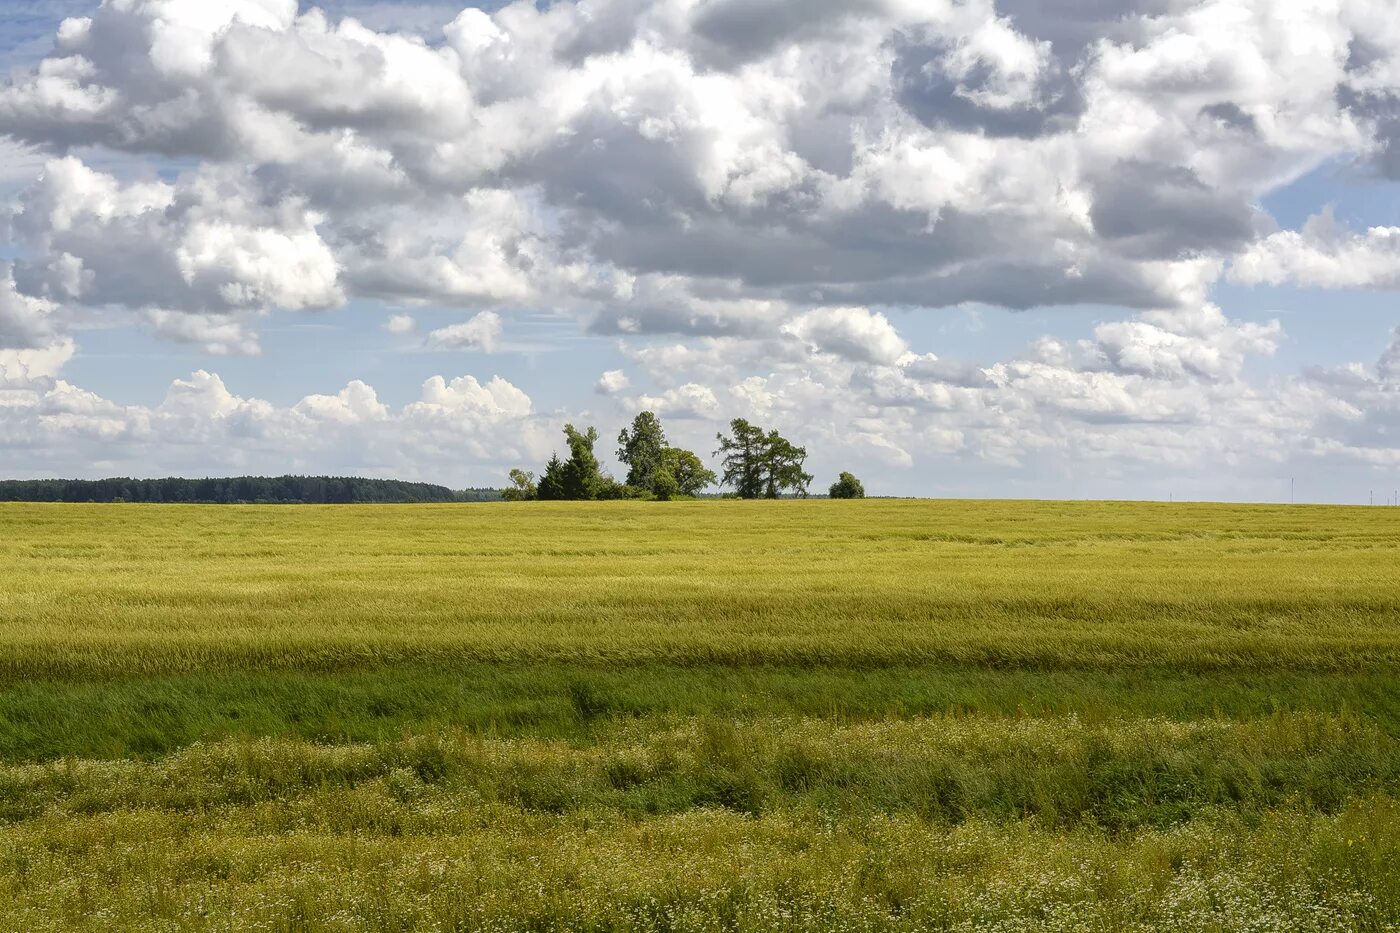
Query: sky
{"points": [[1144, 249]]}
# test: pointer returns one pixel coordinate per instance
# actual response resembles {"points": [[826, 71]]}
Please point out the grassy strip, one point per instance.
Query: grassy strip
{"points": [[149, 717], [1064, 772], [393, 852]]}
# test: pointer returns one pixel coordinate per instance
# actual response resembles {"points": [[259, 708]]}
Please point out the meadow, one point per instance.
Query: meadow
{"points": [[714, 715]]}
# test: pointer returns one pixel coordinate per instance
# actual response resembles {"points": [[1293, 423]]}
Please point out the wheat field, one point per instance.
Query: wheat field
{"points": [[713, 715]]}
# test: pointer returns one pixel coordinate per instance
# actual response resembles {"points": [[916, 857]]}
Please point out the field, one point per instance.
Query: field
{"points": [[869, 715]]}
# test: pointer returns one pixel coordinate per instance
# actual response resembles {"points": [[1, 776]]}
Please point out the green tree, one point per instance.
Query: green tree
{"points": [[664, 485], [759, 464], [522, 487], [582, 478], [847, 487], [783, 467], [691, 475], [640, 448], [552, 482], [741, 458]]}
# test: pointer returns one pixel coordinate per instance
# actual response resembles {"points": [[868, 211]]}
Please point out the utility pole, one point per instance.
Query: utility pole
{"points": [[1290, 490]]}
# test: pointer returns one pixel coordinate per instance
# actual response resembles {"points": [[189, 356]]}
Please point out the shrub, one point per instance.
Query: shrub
{"points": [[847, 487]]}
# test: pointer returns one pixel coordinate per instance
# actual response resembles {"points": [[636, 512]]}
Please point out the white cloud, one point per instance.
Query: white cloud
{"points": [[1323, 254], [612, 382], [26, 366], [25, 322], [691, 400], [482, 332], [355, 403], [854, 333], [458, 431], [733, 190], [879, 153], [206, 244], [220, 335]]}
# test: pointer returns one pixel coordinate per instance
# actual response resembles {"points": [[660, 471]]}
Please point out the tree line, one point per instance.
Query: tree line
{"points": [[756, 463], [237, 489]]}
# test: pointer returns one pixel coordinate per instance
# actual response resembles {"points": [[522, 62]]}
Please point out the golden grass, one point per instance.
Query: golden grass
{"points": [[116, 590], [718, 715]]}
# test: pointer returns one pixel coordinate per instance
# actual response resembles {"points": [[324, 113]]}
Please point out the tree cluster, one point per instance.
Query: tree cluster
{"points": [[654, 468], [237, 489], [757, 464], [761, 464]]}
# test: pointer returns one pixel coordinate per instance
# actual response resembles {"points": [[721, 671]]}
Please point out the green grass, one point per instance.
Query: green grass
{"points": [[700, 715], [153, 716]]}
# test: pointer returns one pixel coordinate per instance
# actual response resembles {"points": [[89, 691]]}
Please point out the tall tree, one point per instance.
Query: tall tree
{"points": [[552, 482], [640, 448], [783, 462], [741, 458], [582, 478], [759, 464], [690, 474]]}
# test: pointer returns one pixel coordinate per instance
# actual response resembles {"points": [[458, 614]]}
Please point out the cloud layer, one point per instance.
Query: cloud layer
{"points": [[750, 196]]}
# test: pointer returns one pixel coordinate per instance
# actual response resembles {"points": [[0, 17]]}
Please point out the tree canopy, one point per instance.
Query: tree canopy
{"points": [[582, 477], [757, 463], [270, 489], [640, 448], [655, 469], [847, 487], [690, 474], [761, 464]]}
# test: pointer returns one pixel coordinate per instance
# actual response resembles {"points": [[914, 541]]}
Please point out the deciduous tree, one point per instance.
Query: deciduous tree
{"points": [[640, 448], [522, 487], [847, 487], [690, 473]]}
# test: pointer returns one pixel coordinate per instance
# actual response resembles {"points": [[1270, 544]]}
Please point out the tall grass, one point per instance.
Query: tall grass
{"points": [[106, 591], [489, 867], [700, 716]]}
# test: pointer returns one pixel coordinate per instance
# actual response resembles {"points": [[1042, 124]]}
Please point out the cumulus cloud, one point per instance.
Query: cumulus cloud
{"points": [[853, 333], [28, 366], [216, 334], [1165, 384], [612, 382], [992, 79], [747, 196], [482, 332], [872, 152], [458, 430], [1323, 254], [353, 404], [207, 244], [691, 400], [25, 322]]}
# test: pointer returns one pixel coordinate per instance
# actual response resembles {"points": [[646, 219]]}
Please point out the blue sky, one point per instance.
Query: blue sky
{"points": [[974, 249]]}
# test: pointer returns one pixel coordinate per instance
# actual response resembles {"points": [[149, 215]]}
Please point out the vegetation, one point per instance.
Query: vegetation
{"points": [[883, 715], [847, 487], [246, 489], [654, 468], [761, 465], [640, 448], [521, 488]]}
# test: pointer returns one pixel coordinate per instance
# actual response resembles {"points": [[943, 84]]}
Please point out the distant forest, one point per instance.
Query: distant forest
{"points": [[246, 489]]}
